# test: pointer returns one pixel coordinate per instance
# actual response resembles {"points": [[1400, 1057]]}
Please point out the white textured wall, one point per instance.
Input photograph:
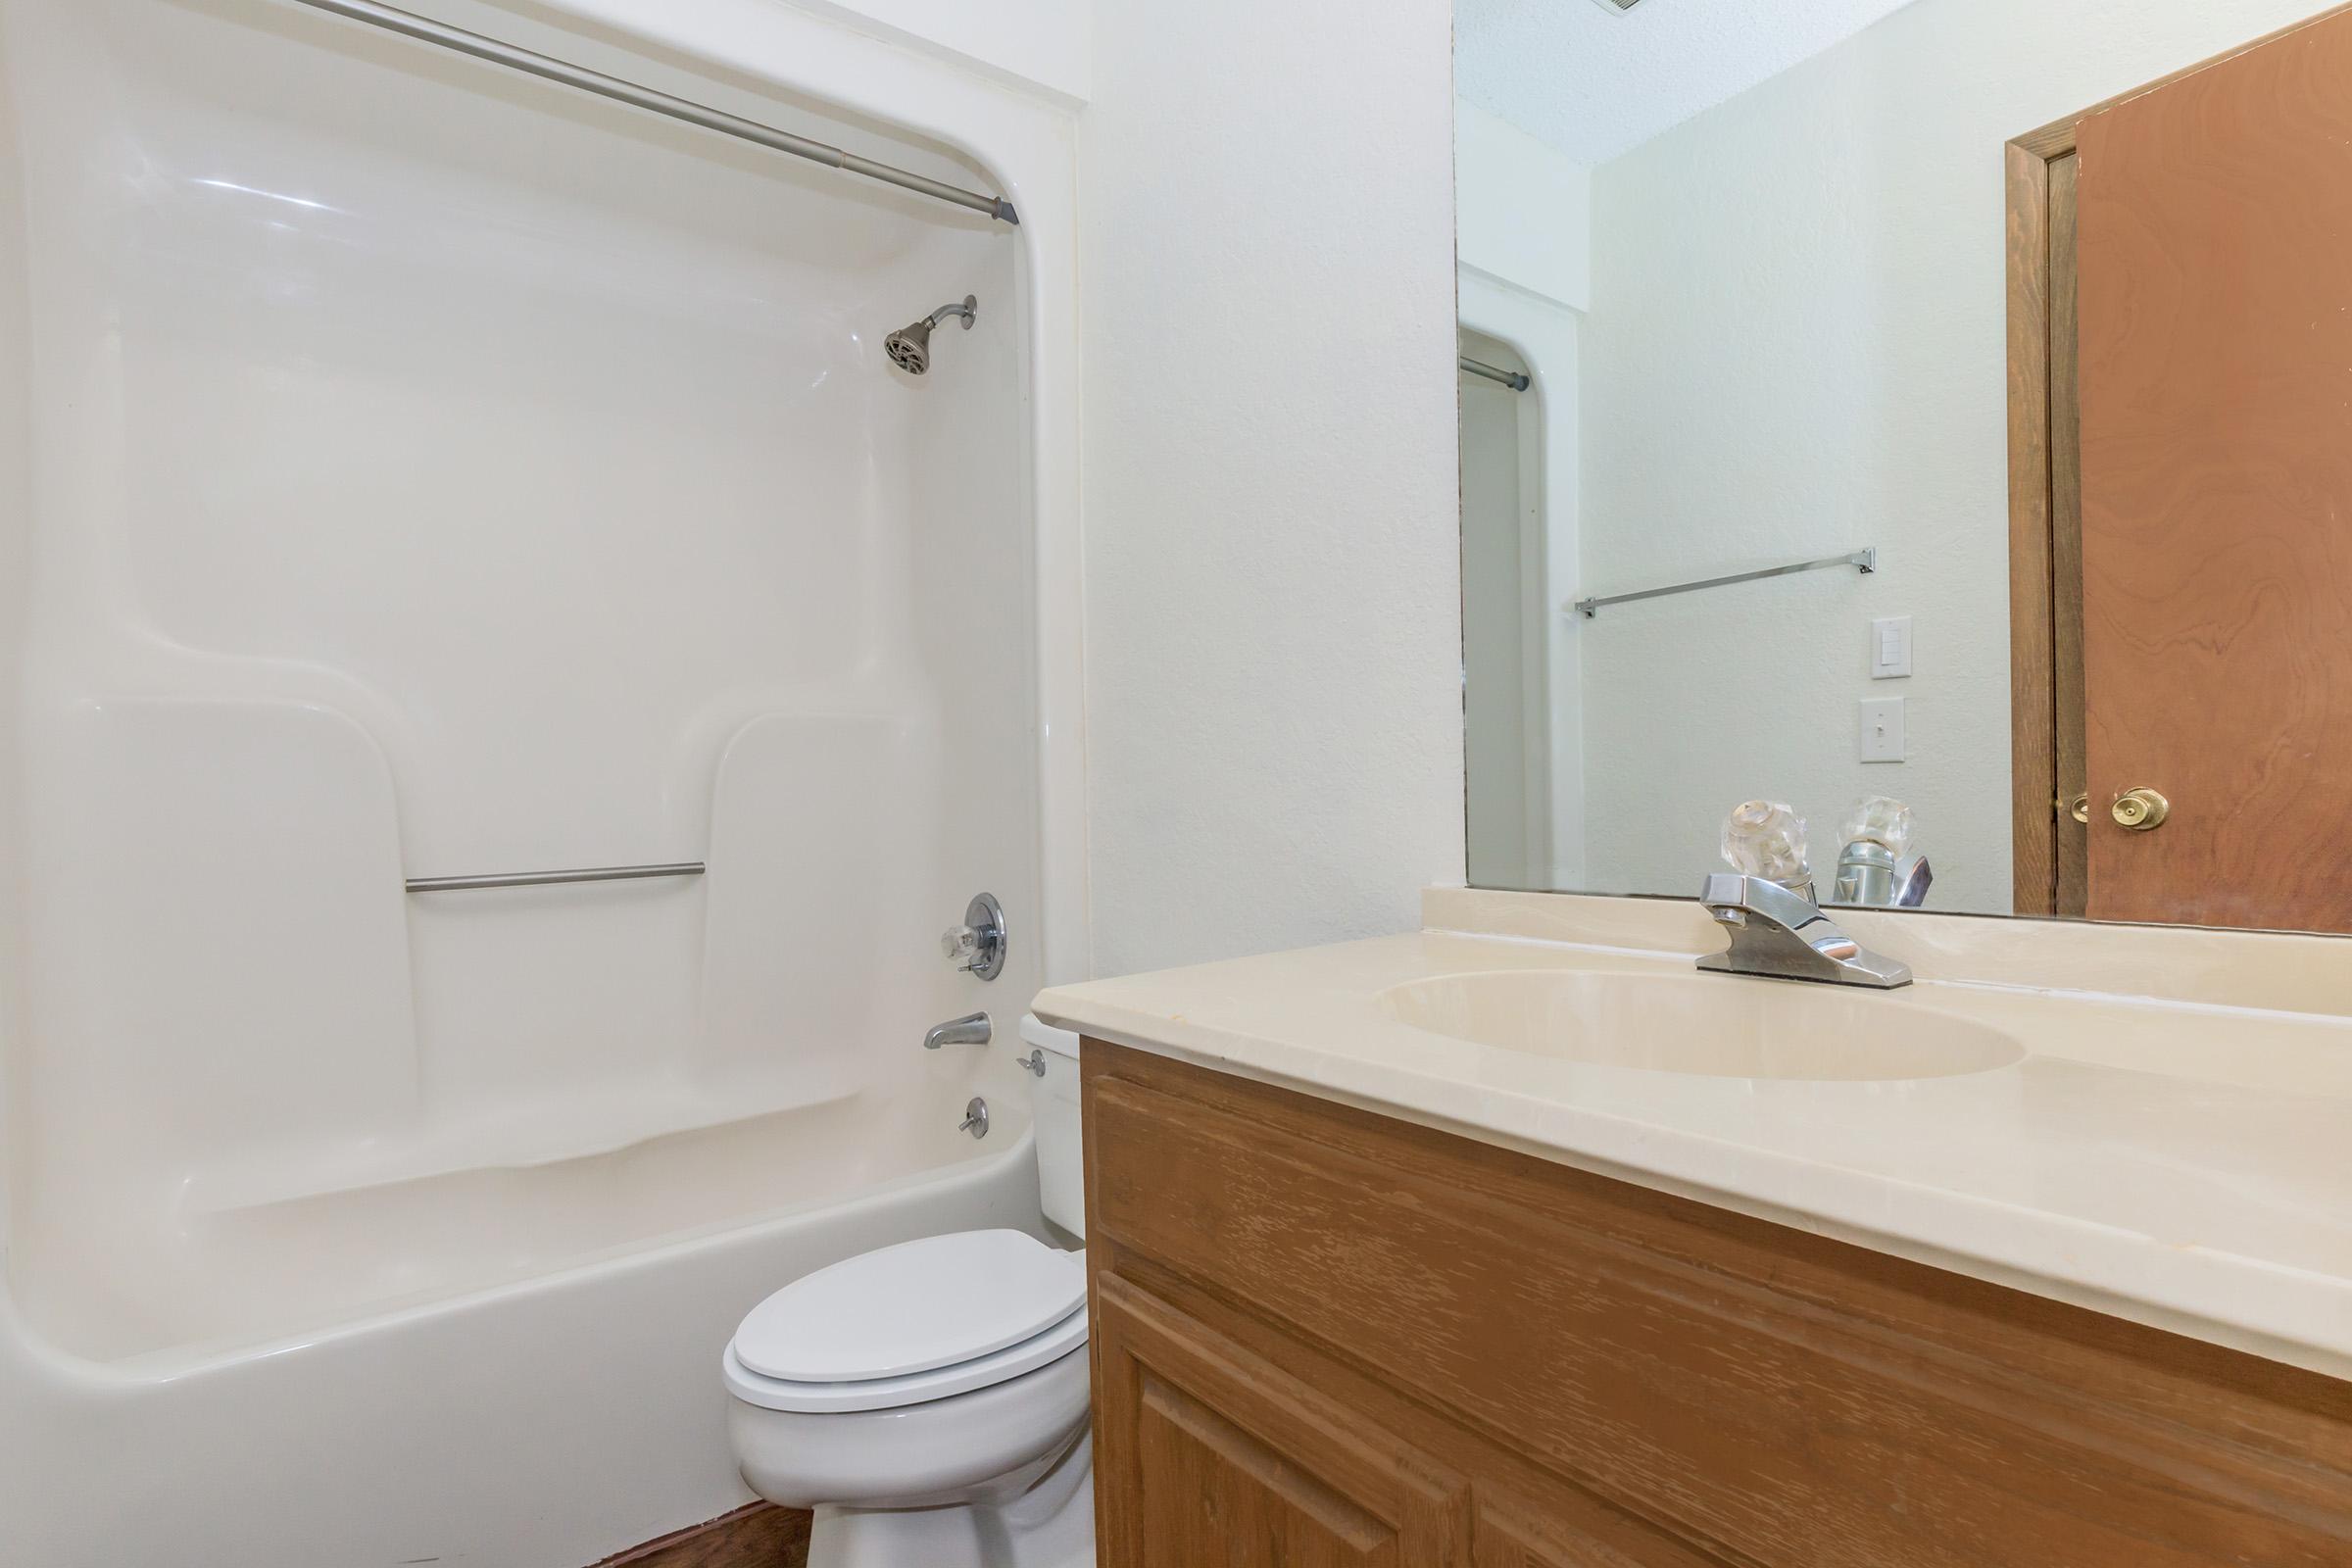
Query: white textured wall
{"points": [[1505, 702], [1523, 211], [1543, 334], [1033, 43], [1796, 347], [1274, 709], [1524, 231]]}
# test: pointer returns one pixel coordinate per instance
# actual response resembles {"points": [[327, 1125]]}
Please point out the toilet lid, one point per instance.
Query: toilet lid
{"points": [[1066, 1339], [941, 1302]]}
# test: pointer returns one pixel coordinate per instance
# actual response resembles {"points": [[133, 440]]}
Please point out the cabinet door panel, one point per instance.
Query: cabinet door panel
{"points": [[1567, 1532], [1214, 1494], [1207, 1457]]}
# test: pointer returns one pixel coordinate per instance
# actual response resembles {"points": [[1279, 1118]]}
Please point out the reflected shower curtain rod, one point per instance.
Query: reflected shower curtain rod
{"points": [[1864, 561], [1496, 373], [659, 103]]}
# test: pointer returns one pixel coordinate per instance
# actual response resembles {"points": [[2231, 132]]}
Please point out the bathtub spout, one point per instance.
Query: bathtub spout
{"points": [[974, 1030]]}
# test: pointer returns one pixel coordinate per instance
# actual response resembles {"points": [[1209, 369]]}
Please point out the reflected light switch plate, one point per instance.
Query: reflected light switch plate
{"points": [[1882, 730], [1890, 648]]}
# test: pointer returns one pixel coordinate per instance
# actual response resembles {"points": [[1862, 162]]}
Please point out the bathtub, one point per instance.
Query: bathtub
{"points": [[546, 1422], [421, 471]]}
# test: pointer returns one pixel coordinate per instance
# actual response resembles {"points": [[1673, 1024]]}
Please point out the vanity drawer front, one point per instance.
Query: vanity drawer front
{"points": [[1779, 1397]]}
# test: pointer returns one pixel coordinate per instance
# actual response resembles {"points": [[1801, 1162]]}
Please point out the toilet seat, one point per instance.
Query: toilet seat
{"points": [[902, 1325]]}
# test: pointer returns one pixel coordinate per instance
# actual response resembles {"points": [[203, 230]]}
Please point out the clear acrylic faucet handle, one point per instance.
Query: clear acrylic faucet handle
{"points": [[1766, 838], [959, 945], [1879, 820]]}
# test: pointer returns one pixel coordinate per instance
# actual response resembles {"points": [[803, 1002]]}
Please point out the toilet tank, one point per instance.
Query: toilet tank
{"points": [[1061, 1149]]}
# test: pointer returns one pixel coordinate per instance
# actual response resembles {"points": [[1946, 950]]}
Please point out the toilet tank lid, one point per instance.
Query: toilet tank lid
{"points": [[1043, 1035], [913, 1308]]}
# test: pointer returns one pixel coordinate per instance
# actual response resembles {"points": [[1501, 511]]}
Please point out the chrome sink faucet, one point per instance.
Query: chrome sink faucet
{"points": [[1767, 904], [1783, 935]]}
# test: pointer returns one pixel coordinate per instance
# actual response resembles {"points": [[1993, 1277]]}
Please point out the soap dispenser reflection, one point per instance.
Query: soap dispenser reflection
{"points": [[1872, 868]]}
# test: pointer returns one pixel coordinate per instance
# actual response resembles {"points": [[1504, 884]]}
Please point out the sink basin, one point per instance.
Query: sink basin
{"points": [[1701, 1024]]}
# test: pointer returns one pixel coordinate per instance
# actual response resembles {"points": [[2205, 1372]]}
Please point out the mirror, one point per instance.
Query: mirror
{"points": [[1940, 408]]}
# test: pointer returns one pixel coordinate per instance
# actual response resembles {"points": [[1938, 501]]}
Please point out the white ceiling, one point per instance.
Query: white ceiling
{"points": [[1595, 83]]}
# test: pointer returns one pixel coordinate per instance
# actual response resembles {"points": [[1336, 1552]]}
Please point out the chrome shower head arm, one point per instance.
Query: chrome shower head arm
{"points": [[969, 307]]}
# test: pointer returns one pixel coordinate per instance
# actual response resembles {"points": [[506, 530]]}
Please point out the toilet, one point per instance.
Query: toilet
{"points": [[929, 1399]]}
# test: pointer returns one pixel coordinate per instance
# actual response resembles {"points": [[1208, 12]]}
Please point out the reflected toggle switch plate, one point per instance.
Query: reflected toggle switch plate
{"points": [[1882, 730]]}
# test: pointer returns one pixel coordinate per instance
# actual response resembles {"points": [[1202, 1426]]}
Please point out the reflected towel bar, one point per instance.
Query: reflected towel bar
{"points": [[1864, 561], [542, 879], [1514, 379], [660, 103]]}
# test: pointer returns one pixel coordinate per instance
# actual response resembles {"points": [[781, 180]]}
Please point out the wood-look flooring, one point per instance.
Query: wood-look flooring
{"points": [[759, 1535]]}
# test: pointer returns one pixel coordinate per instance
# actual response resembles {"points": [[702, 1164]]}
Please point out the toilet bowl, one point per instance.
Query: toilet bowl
{"points": [[929, 1399]]}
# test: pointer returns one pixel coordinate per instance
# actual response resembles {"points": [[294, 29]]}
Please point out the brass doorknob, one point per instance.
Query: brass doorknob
{"points": [[2142, 810], [2079, 807]]}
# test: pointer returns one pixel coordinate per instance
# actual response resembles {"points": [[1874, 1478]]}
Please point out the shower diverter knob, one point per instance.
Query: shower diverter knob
{"points": [[977, 945]]}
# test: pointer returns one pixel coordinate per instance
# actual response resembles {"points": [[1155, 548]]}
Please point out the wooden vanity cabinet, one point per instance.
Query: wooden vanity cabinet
{"points": [[1324, 1338]]}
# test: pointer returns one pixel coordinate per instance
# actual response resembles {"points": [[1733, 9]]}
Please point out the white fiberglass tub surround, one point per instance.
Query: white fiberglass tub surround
{"points": [[428, 471], [419, 470]]}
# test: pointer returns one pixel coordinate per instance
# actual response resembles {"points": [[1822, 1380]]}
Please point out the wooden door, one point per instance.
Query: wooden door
{"points": [[1208, 1457], [2214, 301]]}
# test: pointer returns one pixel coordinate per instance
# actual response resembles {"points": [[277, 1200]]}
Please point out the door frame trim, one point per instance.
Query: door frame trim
{"points": [[2032, 623]]}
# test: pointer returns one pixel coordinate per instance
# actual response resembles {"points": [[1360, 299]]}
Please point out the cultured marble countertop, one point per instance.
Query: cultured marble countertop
{"points": [[2182, 1163]]}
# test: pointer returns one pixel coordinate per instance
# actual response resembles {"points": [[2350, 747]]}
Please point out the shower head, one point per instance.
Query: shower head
{"points": [[910, 347]]}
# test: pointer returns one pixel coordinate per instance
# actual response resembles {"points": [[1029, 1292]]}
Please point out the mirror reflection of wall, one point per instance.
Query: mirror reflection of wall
{"points": [[1506, 687], [1524, 259], [1766, 253]]}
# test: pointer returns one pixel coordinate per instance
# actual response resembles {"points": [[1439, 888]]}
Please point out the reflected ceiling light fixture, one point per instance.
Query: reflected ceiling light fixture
{"points": [[1618, 7]]}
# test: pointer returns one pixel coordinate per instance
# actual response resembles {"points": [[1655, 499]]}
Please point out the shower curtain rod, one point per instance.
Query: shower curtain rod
{"points": [[659, 103], [1493, 372]]}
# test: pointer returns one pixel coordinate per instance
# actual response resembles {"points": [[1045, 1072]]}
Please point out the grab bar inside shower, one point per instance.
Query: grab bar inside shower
{"points": [[545, 879]]}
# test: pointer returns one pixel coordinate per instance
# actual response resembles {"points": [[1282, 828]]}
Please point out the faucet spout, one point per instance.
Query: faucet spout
{"points": [[1785, 936], [972, 1030]]}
